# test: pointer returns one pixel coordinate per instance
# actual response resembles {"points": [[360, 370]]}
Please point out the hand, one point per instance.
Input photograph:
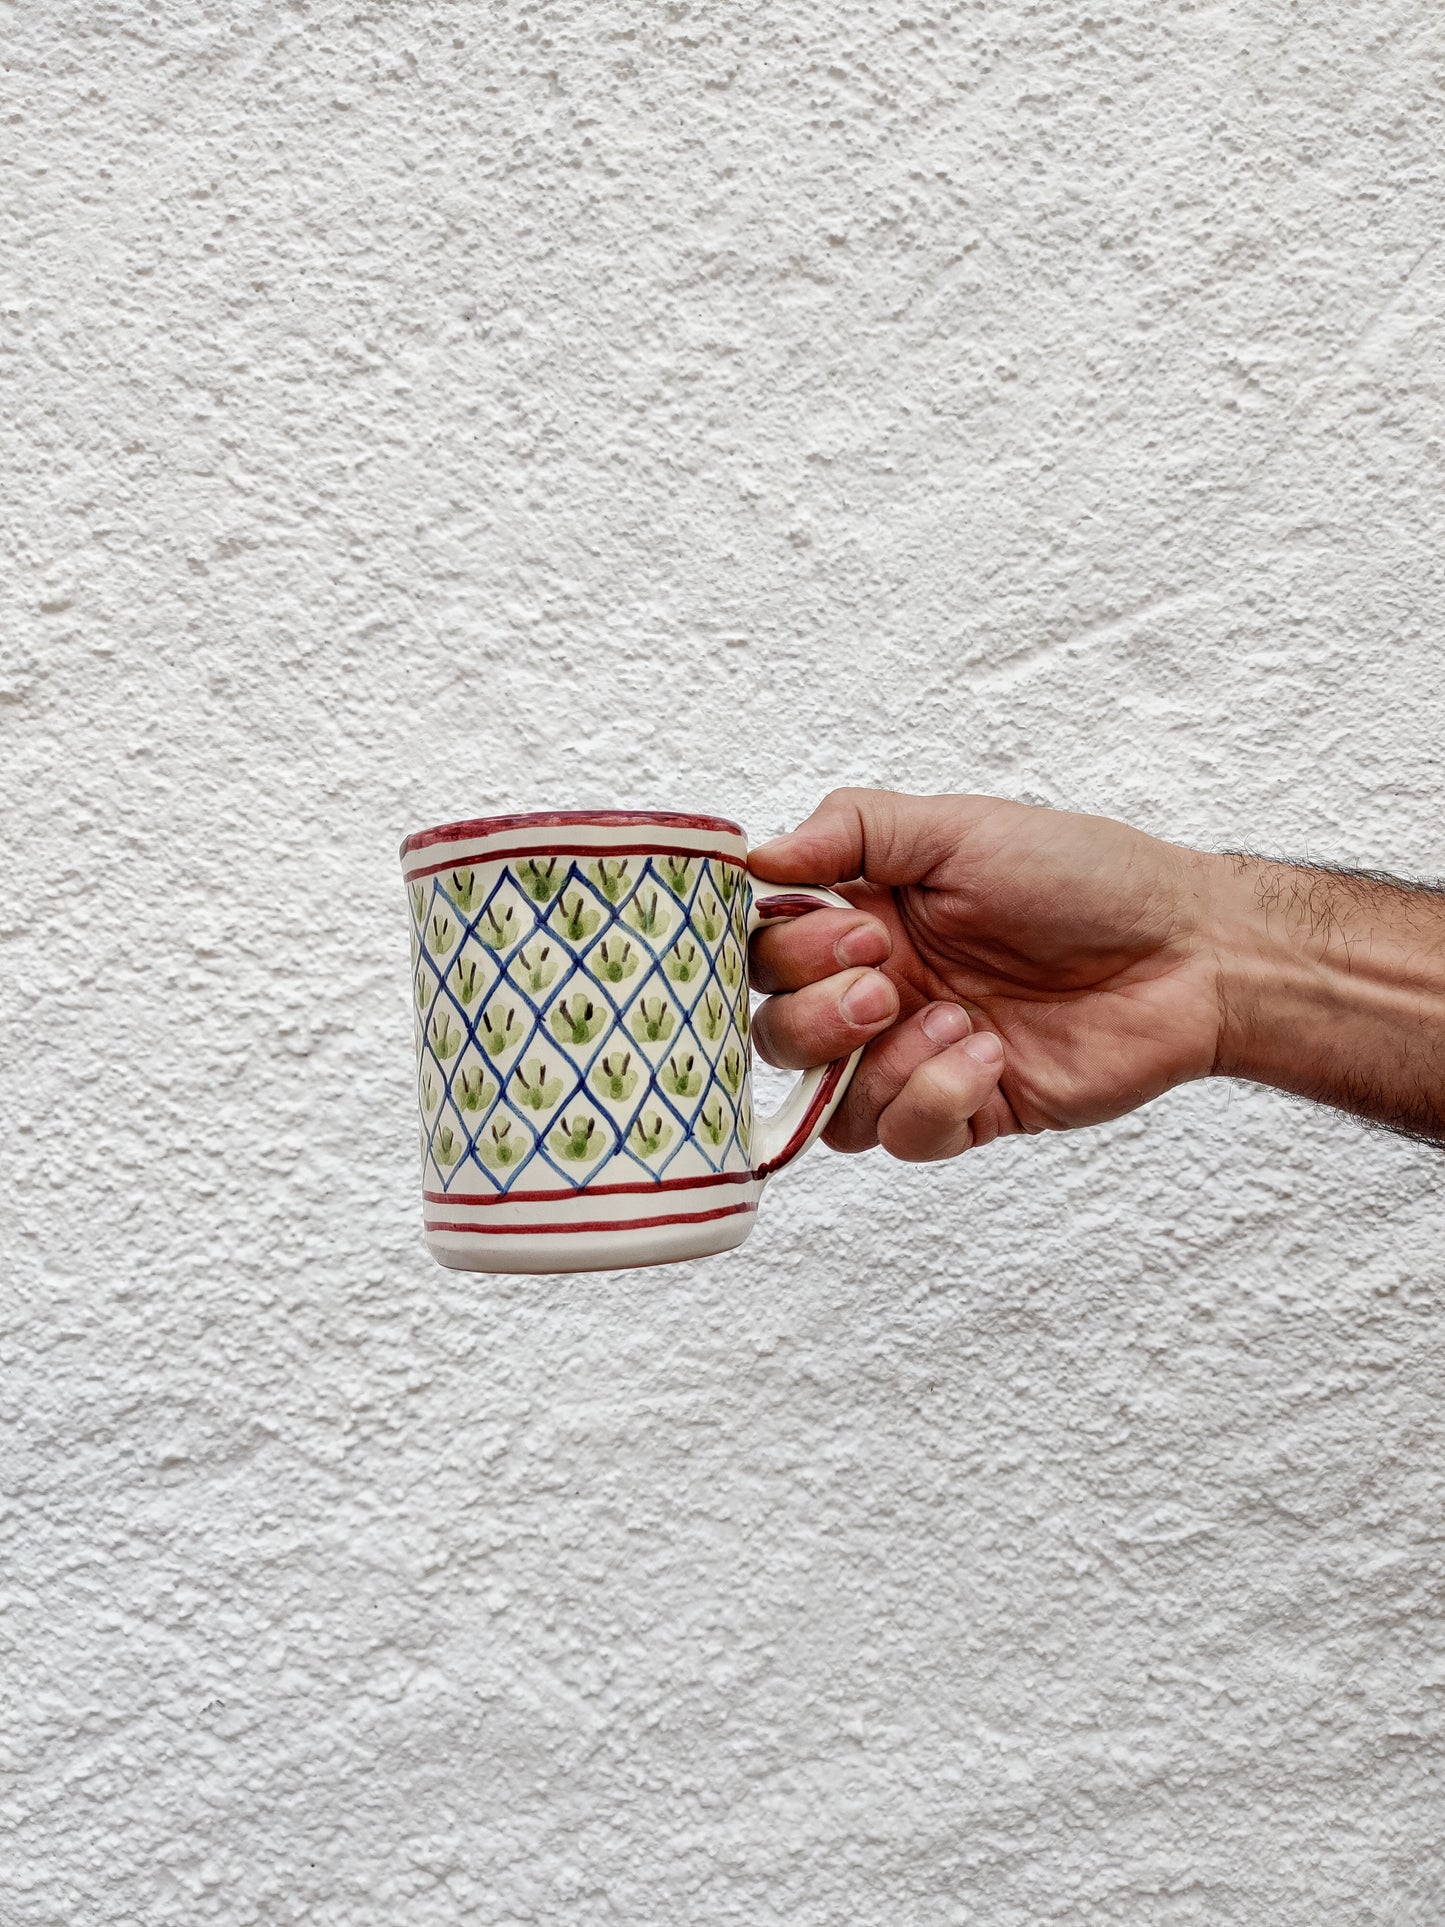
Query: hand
{"points": [[1035, 970]]}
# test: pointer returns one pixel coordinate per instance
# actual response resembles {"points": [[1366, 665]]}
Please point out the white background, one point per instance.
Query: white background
{"points": [[425, 409]]}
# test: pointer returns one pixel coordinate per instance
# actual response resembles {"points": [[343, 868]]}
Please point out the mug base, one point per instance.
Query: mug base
{"points": [[620, 1249]]}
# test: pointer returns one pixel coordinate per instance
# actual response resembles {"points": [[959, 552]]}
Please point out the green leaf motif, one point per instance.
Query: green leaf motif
{"points": [[501, 1032], [731, 1070], [501, 1149], [707, 919], [711, 1019], [429, 1092], [468, 980], [578, 919], [678, 874], [539, 1092], [731, 966], [494, 931], [681, 1079], [648, 915], [462, 888], [610, 878], [684, 963], [727, 880], [578, 1024], [579, 1141], [541, 880], [714, 1128], [474, 1093], [611, 964], [448, 1147], [652, 1021], [445, 1041], [418, 902], [423, 986], [540, 972], [441, 932], [613, 1078], [650, 1135]]}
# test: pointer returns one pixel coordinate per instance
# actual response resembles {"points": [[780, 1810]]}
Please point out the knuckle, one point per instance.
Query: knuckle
{"points": [[763, 1027], [901, 1144], [948, 1089], [933, 1094], [770, 1054], [763, 972], [853, 1127], [930, 1146], [790, 1036]]}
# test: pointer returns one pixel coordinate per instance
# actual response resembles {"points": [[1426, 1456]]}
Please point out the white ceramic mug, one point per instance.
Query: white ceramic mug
{"points": [[580, 988]]}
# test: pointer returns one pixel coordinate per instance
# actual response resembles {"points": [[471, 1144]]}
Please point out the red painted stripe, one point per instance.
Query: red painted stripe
{"points": [[594, 1224], [587, 1191], [574, 849], [810, 1117], [559, 819]]}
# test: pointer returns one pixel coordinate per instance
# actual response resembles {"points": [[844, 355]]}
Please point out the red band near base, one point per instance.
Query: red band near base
{"points": [[595, 1224]]}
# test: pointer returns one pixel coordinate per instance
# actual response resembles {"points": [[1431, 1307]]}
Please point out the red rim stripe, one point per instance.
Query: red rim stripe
{"points": [[575, 849], [559, 819], [588, 1191], [809, 1118], [593, 1224]]}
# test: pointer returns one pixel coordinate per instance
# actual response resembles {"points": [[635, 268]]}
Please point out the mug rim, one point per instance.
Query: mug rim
{"points": [[562, 819]]}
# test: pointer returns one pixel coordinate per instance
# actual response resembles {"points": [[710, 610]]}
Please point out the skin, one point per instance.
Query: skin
{"points": [[1013, 969]]}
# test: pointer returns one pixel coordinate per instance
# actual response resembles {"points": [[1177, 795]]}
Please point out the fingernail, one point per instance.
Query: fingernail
{"points": [[985, 1050], [868, 943], [945, 1023], [869, 1000]]}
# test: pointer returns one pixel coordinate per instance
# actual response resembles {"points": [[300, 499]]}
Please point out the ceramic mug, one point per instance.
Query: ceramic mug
{"points": [[580, 988]]}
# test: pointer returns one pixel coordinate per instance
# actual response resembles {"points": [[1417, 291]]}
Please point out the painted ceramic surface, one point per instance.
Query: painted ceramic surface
{"points": [[581, 1020]]}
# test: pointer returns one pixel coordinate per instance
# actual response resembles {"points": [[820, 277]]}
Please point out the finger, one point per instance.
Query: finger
{"points": [[826, 1020], [785, 956], [887, 1065], [932, 1116], [878, 834]]}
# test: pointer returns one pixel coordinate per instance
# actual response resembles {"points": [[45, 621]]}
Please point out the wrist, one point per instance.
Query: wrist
{"points": [[1328, 985], [1266, 971]]}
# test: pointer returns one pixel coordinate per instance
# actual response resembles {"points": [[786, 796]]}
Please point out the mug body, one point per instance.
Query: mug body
{"points": [[580, 991]]}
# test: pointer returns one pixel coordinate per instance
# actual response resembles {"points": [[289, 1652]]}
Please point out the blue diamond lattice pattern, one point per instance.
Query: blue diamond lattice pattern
{"points": [[529, 976]]}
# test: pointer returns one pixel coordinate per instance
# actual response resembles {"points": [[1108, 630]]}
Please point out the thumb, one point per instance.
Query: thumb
{"points": [[880, 835]]}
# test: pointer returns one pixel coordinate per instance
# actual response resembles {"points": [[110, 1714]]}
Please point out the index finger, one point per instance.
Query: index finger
{"points": [[878, 834]]}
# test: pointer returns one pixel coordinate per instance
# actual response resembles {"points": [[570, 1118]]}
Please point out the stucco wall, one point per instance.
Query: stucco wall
{"points": [[418, 409]]}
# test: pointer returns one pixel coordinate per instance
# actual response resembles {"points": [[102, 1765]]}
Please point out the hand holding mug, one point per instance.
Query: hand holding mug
{"points": [[1041, 969]]}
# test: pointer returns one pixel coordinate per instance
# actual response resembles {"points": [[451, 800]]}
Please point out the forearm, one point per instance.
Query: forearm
{"points": [[1332, 986]]}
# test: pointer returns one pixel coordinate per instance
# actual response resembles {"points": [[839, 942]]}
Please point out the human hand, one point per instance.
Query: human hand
{"points": [[1034, 969]]}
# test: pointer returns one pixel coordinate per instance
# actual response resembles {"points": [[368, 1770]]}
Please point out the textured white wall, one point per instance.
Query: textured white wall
{"points": [[421, 409]]}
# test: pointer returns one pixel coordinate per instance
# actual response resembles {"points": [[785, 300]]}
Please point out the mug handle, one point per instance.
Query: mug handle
{"points": [[805, 1111]]}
